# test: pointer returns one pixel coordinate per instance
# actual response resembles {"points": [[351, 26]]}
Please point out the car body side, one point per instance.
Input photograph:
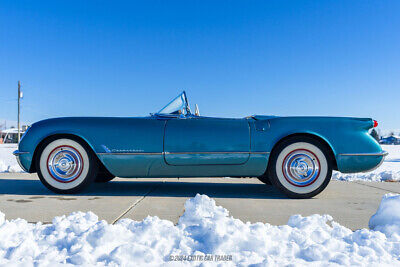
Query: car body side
{"points": [[137, 147]]}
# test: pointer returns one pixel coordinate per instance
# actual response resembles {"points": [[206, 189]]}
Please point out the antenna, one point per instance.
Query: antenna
{"points": [[19, 109]]}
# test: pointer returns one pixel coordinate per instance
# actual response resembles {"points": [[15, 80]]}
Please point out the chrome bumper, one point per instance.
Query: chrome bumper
{"points": [[17, 153], [374, 160], [382, 154]]}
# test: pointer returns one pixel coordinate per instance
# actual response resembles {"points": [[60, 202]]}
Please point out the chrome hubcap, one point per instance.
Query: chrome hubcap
{"points": [[301, 167], [65, 164]]}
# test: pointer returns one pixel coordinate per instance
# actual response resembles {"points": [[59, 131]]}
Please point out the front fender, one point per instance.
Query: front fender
{"points": [[34, 137]]}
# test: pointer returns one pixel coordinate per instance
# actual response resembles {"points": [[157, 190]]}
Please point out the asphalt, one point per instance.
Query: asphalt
{"points": [[350, 203]]}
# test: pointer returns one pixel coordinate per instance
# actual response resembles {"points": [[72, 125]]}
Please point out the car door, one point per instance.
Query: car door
{"points": [[128, 147], [206, 141]]}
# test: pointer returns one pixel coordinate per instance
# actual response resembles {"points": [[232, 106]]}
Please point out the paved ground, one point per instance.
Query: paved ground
{"points": [[350, 203]]}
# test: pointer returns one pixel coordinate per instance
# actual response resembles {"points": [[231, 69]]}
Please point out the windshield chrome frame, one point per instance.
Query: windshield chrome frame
{"points": [[169, 115]]}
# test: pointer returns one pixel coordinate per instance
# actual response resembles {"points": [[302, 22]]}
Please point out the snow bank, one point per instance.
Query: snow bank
{"points": [[8, 162], [385, 173], [203, 230], [387, 217], [394, 153]]}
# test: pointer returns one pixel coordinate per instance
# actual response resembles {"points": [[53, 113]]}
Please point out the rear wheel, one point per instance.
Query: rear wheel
{"points": [[300, 167], [66, 166]]}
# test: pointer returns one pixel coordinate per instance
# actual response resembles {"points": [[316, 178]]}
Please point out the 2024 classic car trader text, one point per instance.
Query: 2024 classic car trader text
{"points": [[295, 154]]}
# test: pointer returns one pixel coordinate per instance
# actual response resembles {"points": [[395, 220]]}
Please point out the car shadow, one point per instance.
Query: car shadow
{"points": [[149, 188]]}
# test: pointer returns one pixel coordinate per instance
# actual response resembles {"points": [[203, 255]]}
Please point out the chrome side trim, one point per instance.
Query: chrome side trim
{"points": [[383, 154], [203, 152], [177, 153], [130, 153], [17, 152]]}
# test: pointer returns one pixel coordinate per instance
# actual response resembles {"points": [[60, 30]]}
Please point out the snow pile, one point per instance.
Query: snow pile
{"points": [[387, 217], [389, 171], [8, 162], [391, 174], [203, 230], [394, 153]]}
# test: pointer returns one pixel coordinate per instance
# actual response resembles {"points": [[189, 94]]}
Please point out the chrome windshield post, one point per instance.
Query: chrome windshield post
{"points": [[187, 107]]}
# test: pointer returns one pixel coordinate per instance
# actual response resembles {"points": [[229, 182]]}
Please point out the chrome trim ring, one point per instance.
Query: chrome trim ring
{"points": [[64, 164], [301, 167]]}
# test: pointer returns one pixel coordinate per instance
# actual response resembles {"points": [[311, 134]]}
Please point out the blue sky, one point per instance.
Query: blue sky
{"points": [[234, 58]]}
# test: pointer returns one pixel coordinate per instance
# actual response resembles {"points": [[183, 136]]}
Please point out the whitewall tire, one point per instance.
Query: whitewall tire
{"points": [[300, 167], [66, 166]]}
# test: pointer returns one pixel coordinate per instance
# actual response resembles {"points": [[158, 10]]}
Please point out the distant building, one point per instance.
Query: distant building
{"points": [[10, 136], [390, 140]]}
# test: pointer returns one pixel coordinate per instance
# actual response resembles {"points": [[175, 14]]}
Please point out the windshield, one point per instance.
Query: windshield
{"points": [[179, 105]]}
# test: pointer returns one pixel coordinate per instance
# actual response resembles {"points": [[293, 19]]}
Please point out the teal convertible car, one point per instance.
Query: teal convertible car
{"points": [[295, 154]]}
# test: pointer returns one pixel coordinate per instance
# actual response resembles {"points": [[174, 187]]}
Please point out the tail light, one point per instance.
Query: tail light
{"points": [[375, 124]]}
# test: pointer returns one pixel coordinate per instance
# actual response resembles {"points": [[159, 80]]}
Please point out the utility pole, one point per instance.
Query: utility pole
{"points": [[19, 96]]}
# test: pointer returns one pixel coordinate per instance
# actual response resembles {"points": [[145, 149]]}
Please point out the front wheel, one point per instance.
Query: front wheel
{"points": [[66, 166], [300, 167]]}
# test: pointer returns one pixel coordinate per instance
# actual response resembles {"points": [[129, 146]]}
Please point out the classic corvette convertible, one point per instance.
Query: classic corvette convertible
{"points": [[295, 154]]}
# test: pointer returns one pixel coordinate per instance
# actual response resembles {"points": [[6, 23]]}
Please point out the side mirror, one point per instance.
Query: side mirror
{"points": [[197, 111]]}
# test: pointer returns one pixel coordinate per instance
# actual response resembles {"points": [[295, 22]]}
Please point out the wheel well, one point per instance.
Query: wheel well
{"points": [[53, 137], [315, 137]]}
